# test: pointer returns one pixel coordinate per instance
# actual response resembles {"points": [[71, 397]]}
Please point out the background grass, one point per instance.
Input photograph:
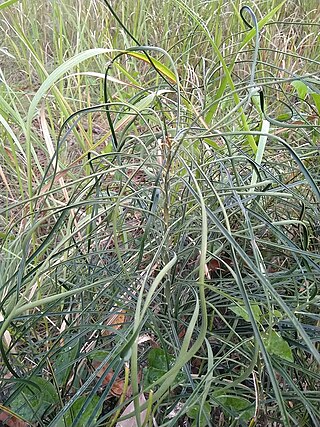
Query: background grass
{"points": [[159, 213]]}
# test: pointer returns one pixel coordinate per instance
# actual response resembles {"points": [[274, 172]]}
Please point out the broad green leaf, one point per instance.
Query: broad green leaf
{"points": [[241, 311], [193, 413], [33, 401], [74, 410], [277, 346], [239, 405], [159, 362], [301, 88], [63, 363]]}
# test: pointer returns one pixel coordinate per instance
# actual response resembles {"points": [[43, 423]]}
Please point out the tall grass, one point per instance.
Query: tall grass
{"points": [[160, 213]]}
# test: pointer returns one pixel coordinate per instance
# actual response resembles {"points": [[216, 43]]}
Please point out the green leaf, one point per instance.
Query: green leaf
{"points": [[277, 346], [283, 117], [213, 144], [63, 363], [241, 406], [316, 99], [194, 413], [34, 400], [159, 358], [159, 363], [301, 88], [98, 355], [241, 311], [108, 148], [74, 410], [277, 313]]}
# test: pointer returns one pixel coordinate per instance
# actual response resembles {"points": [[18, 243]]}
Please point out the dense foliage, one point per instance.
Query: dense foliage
{"points": [[159, 213]]}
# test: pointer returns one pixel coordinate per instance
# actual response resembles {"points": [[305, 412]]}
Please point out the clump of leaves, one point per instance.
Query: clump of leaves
{"points": [[185, 219]]}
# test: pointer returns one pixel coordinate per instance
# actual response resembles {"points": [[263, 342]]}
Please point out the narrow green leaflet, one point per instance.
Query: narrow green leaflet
{"points": [[141, 105], [74, 410]]}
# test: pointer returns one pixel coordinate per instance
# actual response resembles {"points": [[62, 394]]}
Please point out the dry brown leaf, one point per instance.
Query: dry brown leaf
{"points": [[117, 386], [182, 333], [115, 322]]}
